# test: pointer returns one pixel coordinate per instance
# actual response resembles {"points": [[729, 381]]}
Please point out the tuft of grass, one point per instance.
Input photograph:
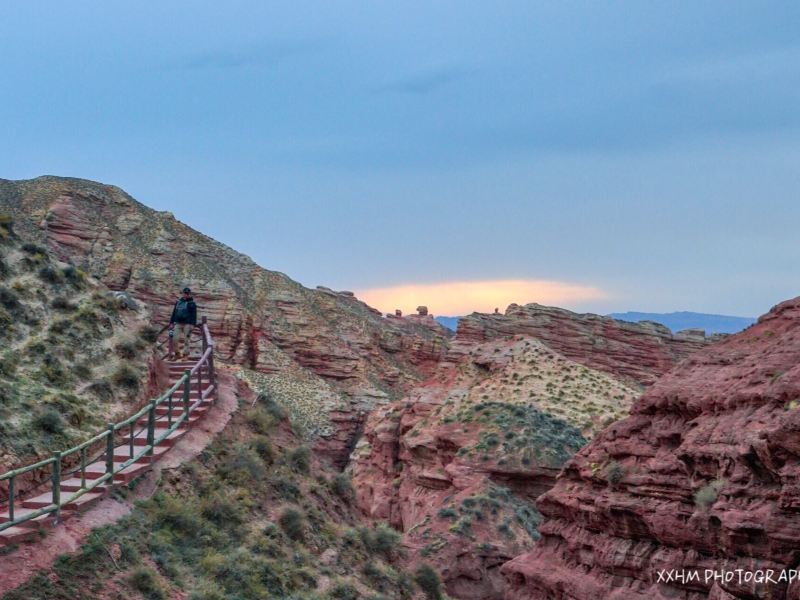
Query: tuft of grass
{"points": [[127, 349], [428, 581], [146, 582], [149, 334], [342, 487], [49, 421], [127, 378], [103, 389], [614, 473], [74, 276], [300, 459], [707, 495], [51, 275], [292, 523]]}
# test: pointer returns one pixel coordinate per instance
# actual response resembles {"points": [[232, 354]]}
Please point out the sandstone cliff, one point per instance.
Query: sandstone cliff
{"points": [[638, 352], [704, 474], [458, 463]]}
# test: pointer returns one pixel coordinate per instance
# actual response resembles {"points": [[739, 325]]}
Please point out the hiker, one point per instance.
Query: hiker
{"points": [[181, 323]]}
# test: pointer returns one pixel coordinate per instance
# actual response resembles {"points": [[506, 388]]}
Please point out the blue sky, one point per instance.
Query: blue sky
{"points": [[648, 152]]}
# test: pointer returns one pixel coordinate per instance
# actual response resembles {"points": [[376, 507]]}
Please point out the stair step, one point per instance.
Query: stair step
{"points": [[22, 511], [46, 499], [123, 454], [140, 439], [73, 484], [17, 535], [98, 469]]}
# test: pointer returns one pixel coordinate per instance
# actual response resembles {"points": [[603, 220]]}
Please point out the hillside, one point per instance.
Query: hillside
{"points": [[678, 321], [254, 516], [349, 356], [702, 475], [65, 338]]}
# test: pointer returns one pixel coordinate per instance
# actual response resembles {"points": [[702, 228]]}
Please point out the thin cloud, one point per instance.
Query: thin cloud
{"points": [[255, 57], [425, 82], [463, 297]]}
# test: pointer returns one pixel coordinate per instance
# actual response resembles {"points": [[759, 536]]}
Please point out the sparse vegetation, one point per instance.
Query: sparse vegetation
{"points": [[707, 495], [614, 473], [429, 582]]}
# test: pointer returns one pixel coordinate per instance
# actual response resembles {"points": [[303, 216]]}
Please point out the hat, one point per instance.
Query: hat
{"points": [[186, 290]]}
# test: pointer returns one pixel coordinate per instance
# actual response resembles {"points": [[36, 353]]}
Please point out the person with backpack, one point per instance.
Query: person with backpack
{"points": [[183, 320]]}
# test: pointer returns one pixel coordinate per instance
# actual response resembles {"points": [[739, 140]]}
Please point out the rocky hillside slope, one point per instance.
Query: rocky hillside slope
{"points": [[637, 352], [73, 355], [704, 474], [349, 355], [458, 464], [254, 516]]}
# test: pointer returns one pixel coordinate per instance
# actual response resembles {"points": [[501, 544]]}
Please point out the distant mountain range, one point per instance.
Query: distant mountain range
{"points": [[674, 320], [690, 320]]}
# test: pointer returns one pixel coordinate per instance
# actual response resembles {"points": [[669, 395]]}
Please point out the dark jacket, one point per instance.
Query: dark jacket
{"points": [[184, 311]]}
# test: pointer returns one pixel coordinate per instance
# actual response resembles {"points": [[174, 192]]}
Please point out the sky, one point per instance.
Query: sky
{"points": [[601, 156]]}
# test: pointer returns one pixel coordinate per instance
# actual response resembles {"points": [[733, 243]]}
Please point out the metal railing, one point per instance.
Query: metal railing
{"points": [[205, 363]]}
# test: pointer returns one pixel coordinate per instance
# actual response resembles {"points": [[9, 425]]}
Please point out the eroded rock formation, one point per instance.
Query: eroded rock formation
{"points": [[639, 352], [704, 474], [458, 464]]}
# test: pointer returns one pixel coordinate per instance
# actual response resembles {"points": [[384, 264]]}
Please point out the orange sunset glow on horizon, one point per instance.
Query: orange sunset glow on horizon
{"points": [[453, 298]]}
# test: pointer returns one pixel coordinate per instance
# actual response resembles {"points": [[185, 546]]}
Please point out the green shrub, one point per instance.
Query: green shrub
{"points": [[127, 349], [300, 459], [260, 421], [103, 389], [614, 473], [126, 377], [9, 299], [149, 334], [342, 487], [145, 581], [53, 371], [30, 248], [292, 523], [49, 421], [62, 303], [242, 466], [447, 513], [707, 495], [285, 487], [221, 511], [343, 590], [428, 581], [50, 274], [74, 276], [9, 363], [261, 446], [380, 540]]}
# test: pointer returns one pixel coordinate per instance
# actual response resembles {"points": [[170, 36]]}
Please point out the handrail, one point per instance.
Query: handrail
{"points": [[148, 409]]}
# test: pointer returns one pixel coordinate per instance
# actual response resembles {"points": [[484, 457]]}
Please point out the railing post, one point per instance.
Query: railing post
{"points": [[83, 467], [169, 412], [110, 452], [186, 388], [57, 483], [212, 377], [11, 498], [203, 324], [151, 427]]}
